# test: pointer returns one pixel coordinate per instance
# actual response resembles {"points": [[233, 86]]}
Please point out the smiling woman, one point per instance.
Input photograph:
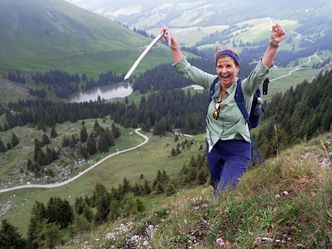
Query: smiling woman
{"points": [[228, 123]]}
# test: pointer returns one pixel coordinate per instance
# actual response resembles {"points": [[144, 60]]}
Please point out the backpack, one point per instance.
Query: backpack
{"points": [[255, 113]]}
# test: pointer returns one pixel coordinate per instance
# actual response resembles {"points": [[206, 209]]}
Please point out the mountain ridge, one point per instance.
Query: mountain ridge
{"points": [[41, 35], [200, 13]]}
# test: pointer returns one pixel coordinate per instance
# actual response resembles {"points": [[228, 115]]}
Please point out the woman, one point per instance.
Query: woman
{"points": [[228, 137]]}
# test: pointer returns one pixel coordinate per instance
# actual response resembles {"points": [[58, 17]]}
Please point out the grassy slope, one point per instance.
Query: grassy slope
{"points": [[11, 92], [287, 201], [39, 36], [110, 173]]}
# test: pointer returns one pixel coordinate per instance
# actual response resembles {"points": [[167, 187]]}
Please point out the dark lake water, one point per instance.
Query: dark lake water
{"points": [[105, 92]]}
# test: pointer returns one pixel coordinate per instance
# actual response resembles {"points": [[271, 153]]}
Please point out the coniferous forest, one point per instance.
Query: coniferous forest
{"points": [[299, 113]]}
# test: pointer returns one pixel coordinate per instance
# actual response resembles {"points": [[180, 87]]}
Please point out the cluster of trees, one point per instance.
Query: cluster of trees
{"points": [[61, 83], [51, 224], [141, 32], [41, 158], [10, 237], [10, 144], [162, 111], [64, 84], [100, 139], [164, 77], [300, 113], [195, 172], [16, 77], [183, 145], [108, 78], [39, 93]]}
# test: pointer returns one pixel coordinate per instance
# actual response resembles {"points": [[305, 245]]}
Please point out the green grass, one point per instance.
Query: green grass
{"points": [[192, 35], [11, 92], [283, 84], [147, 160], [287, 200]]}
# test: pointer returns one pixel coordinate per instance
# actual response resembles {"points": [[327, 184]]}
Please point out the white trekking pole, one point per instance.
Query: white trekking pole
{"points": [[140, 58]]}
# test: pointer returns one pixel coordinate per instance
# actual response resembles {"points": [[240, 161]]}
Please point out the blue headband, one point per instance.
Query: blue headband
{"points": [[229, 53]]}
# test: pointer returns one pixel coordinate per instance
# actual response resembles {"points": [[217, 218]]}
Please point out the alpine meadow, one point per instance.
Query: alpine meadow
{"points": [[91, 158]]}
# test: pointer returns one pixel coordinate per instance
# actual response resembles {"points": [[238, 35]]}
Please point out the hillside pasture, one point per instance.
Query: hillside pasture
{"points": [[146, 160]]}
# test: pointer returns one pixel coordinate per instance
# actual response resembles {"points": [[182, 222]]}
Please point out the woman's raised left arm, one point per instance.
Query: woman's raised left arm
{"points": [[277, 36]]}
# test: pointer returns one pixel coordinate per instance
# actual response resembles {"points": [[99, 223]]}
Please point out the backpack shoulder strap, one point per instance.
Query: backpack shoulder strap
{"points": [[239, 99], [213, 87]]}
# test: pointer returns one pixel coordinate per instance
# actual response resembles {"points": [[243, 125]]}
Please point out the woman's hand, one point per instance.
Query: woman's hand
{"points": [[168, 37], [277, 34]]}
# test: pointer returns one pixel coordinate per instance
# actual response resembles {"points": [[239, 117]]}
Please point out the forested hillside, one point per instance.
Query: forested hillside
{"points": [[300, 113]]}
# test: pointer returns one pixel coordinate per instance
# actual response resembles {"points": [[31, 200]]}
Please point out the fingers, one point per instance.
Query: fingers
{"points": [[165, 33], [278, 30], [167, 36]]}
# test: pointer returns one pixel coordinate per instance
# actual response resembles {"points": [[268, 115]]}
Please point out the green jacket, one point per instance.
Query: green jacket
{"points": [[231, 123]]}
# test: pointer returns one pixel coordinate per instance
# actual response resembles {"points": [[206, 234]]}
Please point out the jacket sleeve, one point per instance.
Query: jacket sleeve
{"points": [[255, 79], [194, 74]]}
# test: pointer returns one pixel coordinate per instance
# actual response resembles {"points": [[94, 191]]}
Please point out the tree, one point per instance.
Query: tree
{"points": [[41, 158], [109, 137], [39, 211], [131, 205], [45, 139], [126, 187], [53, 133], [102, 201], [2, 147], [91, 146], [83, 134], [9, 146], [59, 212], [97, 128], [102, 142], [72, 141], [160, 127], [32, 234], [147, 189], [15, 140], [9, 237], [49, 235], [83, 151], [65, 141], [38, 217], [116, 131], [79, 206], [170, 189]]}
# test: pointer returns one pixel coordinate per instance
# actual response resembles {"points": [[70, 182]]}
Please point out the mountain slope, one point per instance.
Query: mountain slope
{"points": [[186, 13], [40, 35]]}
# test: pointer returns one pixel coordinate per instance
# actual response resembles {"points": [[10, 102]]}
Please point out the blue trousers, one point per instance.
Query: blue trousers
{"points": [[227, 161]]}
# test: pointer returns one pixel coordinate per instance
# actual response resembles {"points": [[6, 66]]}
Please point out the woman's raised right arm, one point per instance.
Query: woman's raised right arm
{"points": [[182, 66], [177, 54]]}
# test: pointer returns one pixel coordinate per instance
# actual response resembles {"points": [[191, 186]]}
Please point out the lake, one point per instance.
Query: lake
{"points": [[120, 90]]}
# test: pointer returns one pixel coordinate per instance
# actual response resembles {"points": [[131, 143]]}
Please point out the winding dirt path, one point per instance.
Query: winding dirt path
{"points": [[59, 184], [298, 67]]}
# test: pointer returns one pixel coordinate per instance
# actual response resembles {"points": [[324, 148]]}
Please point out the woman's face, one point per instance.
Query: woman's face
{"points": [[227, 71]]}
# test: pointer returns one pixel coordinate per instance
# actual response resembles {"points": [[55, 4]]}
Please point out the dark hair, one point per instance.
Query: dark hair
{"points": [[230, 53]]}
